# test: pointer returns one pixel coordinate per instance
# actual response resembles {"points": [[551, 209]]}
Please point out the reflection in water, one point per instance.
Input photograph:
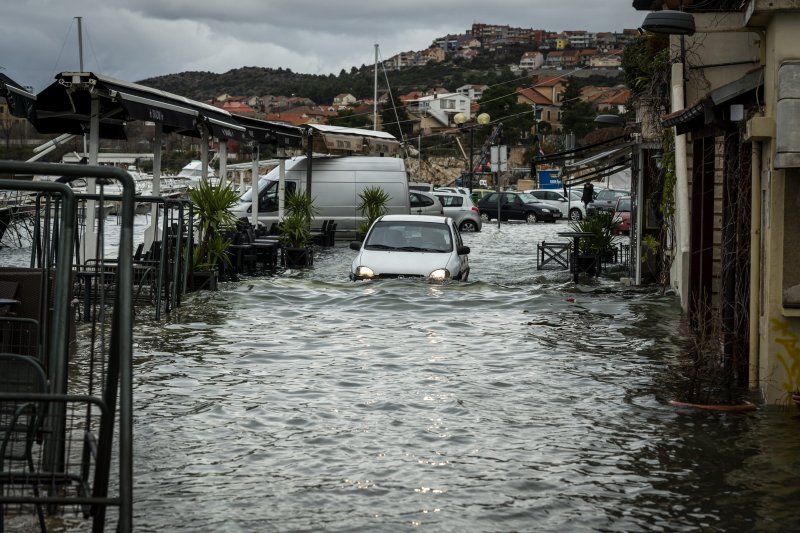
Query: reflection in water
{"points": [[516, 401]]}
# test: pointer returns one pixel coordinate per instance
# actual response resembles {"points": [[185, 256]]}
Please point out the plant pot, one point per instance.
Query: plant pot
{"points": [[588, 263], [745, 406], [202, 280], [297, 257]]}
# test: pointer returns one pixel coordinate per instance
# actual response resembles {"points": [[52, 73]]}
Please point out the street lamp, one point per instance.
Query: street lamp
{"points": [[461, 120]]}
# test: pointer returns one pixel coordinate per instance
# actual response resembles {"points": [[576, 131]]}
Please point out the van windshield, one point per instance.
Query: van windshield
{"points": [[248, 196]]}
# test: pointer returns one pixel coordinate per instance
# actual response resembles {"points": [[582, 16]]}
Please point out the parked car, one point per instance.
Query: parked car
{"points": [[420, 186], [460, 208], [516, 206], [477, 194], [622, 213], [605, 201], [568, 207], [459, 190], [575, 196], [424, 203], [414, 246]]}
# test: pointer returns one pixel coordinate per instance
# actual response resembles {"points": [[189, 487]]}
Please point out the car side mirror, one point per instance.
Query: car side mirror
{"points": [[462, 250], [355, 245]]}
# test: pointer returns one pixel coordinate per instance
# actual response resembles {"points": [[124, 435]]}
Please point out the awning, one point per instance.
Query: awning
{"points": [[566, 155], [340, 140], [171, 116], [266, 132], [223, 127], [20, 102], [705, 111], [598, 173]]}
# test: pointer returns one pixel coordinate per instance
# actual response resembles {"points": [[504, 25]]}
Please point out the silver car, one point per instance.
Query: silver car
{"points": [[461, 209], [411, 246], [424, 203]]}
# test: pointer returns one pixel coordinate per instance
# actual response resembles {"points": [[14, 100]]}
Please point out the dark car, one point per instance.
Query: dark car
{"points": [[606, 200], [516, 206]]}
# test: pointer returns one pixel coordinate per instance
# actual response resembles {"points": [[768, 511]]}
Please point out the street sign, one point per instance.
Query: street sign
{"points": [[499, 158]]}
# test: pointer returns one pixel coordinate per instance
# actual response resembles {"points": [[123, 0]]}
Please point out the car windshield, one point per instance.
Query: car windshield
{"points": [[528, 198], [624, 204], [408, 236]]}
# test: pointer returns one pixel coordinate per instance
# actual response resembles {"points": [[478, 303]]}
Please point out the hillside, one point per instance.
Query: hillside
{"points": [[488, 69]]}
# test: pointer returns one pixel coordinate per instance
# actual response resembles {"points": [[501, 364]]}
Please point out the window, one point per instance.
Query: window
{"points": [[268, 199], [451, 201], [419, 200]]}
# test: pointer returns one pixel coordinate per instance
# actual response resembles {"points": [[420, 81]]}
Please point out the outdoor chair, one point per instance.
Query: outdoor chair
{"points": [[20, 423]]}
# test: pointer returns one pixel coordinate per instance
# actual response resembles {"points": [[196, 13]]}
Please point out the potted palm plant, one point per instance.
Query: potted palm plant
{"points": [[372, 205], [295, 230], [601, 245], [213, 216]]}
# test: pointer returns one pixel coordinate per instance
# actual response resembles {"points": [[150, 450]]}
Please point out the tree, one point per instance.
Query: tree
{"points": [[501, 105], [348, 119], [395, 119], [577, 115]]}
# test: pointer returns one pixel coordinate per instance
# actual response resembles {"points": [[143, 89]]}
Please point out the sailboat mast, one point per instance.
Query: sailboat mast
{"points": [[80, 42], [375, 94]]}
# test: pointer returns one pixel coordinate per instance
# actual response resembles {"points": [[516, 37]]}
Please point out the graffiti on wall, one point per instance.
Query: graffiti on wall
{"points": [[789, 357]]}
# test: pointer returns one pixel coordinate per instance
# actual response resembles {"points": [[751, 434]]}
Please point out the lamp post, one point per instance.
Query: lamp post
{"points": [[461, 120]]}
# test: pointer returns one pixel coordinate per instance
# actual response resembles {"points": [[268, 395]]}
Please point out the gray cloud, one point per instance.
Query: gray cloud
{"points": [[132, 40]]}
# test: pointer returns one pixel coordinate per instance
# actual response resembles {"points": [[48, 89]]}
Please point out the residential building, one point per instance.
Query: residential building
{"points": [[472, 91], [553, 59], [544, 108], [570, 58], [552, 87], [581, 39], [344, 99], [531, 60], [605, 61], [734, 110], [435, 112]]}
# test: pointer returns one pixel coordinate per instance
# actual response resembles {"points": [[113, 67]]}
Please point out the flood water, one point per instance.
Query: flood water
{"points": [[516, 401]]}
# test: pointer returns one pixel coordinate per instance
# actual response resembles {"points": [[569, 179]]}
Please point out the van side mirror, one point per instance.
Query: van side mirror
{"points": [[355, 245]]}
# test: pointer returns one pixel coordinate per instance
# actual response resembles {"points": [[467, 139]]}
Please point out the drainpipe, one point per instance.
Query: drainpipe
{"points": [[755, 261], [681, 184]]}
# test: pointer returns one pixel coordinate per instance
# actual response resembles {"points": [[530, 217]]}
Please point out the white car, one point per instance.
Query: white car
{"points": [[457, 190], [411, 246], [569, 207], [424, 203]]}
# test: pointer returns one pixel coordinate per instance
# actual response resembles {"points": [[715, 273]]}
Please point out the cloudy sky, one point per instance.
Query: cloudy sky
{"points": [[137, 39]]}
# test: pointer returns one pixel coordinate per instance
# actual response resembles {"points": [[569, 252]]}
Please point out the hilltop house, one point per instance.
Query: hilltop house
{"points": [[544, 108], [436, 112], [472, 91], [344, 99], [531, 60]]}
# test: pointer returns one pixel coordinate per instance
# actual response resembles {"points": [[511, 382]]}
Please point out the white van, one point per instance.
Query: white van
{"points": [[335, 185]]}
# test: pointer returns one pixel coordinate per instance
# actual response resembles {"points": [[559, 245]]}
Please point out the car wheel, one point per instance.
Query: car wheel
{"points": [[468, 226], [531, 218], [485, 217], [575, 214]]}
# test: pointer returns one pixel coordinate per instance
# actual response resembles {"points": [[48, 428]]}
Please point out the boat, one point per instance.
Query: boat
{"points": [[193, 173]]}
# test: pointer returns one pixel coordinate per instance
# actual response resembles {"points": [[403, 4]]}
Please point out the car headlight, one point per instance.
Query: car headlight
{"points": [[545, 210], [440, 274], [363, 272]]}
